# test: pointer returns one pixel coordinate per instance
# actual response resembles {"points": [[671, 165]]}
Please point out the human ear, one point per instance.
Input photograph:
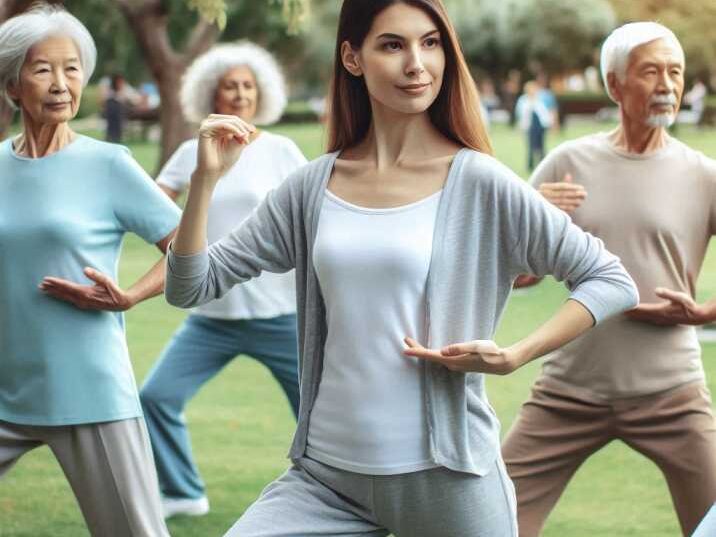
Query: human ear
{"points": [[614, 87], [12, 90], [350, 59]]}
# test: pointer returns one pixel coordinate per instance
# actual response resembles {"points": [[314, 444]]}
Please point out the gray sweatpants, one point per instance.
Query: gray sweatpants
{"points": [[312, 499], [109, 466]]}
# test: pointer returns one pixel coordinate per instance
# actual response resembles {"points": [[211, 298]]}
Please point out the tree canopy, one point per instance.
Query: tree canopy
{"points": [[553, 35], [692, 22]]}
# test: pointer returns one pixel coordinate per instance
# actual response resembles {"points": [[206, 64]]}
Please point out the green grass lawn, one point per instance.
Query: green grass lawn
{"points": [[241, 424]]}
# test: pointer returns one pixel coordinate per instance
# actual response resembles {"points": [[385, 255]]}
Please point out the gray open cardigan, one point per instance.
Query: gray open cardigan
{"points": [[490, 227]]}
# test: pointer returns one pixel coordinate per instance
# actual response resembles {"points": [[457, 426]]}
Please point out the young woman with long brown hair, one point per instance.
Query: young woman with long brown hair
{"points": [[407, 231]]}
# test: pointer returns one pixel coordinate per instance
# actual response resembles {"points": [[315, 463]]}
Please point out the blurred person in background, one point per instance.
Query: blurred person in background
{"points": [[696, 99], [534, 118], [257, 319]]}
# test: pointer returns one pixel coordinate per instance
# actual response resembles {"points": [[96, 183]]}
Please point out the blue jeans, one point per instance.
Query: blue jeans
{"points": [[535, 145], [198, 351]]}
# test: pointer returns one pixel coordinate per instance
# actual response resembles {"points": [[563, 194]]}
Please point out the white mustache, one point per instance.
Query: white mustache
{"points": [[663, 99]]}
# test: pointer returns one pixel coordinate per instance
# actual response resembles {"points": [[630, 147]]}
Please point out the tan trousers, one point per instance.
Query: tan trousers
{"points": [[554, 434], [109, 466]]}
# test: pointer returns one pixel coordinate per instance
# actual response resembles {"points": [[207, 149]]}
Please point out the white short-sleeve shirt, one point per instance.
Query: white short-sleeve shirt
{"points": [[262, 166]]}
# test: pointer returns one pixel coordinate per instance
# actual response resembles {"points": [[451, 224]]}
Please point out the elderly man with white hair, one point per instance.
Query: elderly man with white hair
{"points": [[637, 377], [66, 202], [257, 319]]}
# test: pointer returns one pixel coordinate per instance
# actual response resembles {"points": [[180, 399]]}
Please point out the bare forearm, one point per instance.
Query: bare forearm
{"points": [[191, 235], [149, 285], [570, 321], [711, 308]]}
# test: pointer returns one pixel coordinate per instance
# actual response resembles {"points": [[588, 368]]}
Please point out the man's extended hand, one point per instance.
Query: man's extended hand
{"points": [[567, 195], [678, 308], [104, 295]]}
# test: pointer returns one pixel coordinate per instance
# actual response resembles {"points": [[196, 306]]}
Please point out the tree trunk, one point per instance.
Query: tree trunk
{"points": [[175, 129], [148, 21]]}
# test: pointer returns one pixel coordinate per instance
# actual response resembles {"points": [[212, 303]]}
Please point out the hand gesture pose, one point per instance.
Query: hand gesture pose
{"points": [[104, 295], [566, 195], [481, 356], [678, 308], [221, 140]]}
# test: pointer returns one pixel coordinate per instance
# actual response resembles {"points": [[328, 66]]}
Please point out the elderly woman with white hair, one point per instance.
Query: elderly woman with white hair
{"points": [[257, 319], [66, 201]]}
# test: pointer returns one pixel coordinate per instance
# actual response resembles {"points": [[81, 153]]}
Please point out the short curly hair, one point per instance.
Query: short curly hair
{"points": [[202, 78]]}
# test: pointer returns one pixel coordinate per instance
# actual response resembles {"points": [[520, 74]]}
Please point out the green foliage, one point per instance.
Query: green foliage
{"points": [[481, 26], [117, 50], [211, 10], [554, 35], [319, 42], [89, 105], [295, 13], [599, 96], [559, 34], [692, 22]]}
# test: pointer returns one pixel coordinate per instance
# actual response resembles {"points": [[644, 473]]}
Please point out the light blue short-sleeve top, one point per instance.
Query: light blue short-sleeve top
{"points": [[61, 365]]}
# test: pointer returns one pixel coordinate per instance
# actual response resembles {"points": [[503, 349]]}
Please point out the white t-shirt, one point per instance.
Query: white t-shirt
{"points": [[262, 166], [372, 266]]}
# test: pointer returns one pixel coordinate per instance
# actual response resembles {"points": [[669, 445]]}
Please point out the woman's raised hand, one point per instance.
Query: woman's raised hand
{"points": [[221, 140]]}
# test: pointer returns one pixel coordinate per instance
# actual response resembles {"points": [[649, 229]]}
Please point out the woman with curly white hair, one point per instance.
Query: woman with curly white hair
{"points": [[259, 319], [66, 202]]}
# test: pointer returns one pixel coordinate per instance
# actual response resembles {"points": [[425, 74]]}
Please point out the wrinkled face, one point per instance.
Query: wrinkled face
{"points": [[237, 94], [651, 92], [50, 83], [402, 59]]}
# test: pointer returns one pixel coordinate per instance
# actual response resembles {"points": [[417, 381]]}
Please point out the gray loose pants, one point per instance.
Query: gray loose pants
{"points": [[110, 469], [312, 499]]}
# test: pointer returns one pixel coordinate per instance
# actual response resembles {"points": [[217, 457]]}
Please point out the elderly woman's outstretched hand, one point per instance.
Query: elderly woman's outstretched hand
{"points": [[104, 295], [480, 356], [221, 140]]}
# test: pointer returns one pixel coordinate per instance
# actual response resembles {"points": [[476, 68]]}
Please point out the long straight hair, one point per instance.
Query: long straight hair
{"points": [[456, 110]]}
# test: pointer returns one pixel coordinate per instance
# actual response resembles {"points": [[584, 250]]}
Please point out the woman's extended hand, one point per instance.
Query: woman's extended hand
{"points": [[480, 356], [104, 295], [221, 140]]}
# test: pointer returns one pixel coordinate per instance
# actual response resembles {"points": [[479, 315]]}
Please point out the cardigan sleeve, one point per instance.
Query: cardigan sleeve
{"points": [[548, 243], [263, 242]]}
